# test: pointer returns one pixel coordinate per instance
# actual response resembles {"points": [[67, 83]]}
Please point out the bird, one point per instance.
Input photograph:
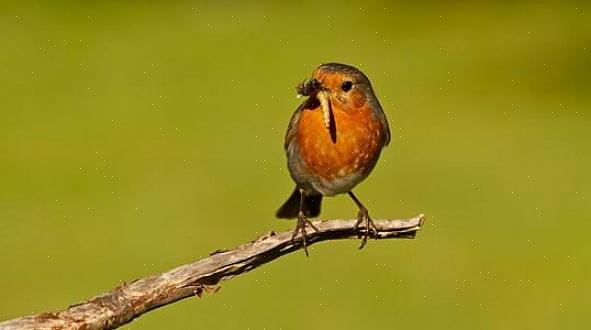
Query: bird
{"points": [[333, 141]]}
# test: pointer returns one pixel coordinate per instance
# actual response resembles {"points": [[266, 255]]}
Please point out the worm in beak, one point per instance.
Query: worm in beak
{"points": [[323, 97], [311, 87]]}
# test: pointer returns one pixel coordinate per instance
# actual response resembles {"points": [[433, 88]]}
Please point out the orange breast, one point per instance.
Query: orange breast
{"points": [[358, 142]]}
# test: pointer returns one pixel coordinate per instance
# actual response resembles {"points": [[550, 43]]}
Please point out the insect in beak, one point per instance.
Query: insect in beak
{"points": [[308, 87]]}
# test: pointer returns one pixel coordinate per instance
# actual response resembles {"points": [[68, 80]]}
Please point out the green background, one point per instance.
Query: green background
{"points": [[137, 137]]}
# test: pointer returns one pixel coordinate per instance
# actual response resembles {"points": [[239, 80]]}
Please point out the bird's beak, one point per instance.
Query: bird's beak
{"points": [[323, 97]]}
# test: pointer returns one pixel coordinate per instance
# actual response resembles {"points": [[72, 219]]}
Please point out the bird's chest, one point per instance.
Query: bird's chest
{"points": [[353, 150]]}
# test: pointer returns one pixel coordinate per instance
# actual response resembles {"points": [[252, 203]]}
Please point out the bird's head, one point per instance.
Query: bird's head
{"points": [[337, 85]]}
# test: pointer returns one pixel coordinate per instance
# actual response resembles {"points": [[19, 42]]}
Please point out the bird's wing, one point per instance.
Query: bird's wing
{"points": [[291, 129], [293, 124], [386, 130], [379, 112]]}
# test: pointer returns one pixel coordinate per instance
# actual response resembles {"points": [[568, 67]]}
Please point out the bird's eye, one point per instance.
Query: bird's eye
{"points": [[346, 86]]}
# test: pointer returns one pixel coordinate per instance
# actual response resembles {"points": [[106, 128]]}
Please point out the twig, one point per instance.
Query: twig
{"points": [[130, 300]]}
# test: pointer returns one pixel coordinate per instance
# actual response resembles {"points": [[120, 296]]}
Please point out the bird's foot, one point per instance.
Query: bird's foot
{"points": [[303, 222], [370, 226]]}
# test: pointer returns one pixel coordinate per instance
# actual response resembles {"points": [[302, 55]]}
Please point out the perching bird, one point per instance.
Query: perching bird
{"points": [[333, 142]]}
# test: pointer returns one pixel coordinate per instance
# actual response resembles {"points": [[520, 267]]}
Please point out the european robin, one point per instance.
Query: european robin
{"points": [[333, 142]]}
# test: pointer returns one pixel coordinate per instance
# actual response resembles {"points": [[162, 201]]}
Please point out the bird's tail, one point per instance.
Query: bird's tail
{"points": [[291, 207]]}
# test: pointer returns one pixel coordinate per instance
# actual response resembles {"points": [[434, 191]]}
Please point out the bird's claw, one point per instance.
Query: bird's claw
{"points": [[303, 222], [370, 227]]}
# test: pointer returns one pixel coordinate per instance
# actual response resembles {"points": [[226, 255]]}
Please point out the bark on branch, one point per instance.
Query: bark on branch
{"points": [[130, 300]]}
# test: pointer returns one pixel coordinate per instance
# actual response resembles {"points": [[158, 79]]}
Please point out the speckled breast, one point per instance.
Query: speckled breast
{"points": [[335, 167]]}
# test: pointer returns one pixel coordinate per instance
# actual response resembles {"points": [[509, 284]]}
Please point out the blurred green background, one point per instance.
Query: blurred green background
{"points": [[137, 137]]}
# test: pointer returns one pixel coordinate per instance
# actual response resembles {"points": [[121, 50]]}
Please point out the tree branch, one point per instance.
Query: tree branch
{"points": [[130, 300]]}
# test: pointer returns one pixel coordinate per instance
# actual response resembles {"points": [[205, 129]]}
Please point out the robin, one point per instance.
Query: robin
{"points": [[333, 142]]}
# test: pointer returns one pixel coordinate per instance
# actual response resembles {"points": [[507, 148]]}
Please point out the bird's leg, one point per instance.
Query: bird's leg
{"points": [[302, 223], [363, 217]]}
